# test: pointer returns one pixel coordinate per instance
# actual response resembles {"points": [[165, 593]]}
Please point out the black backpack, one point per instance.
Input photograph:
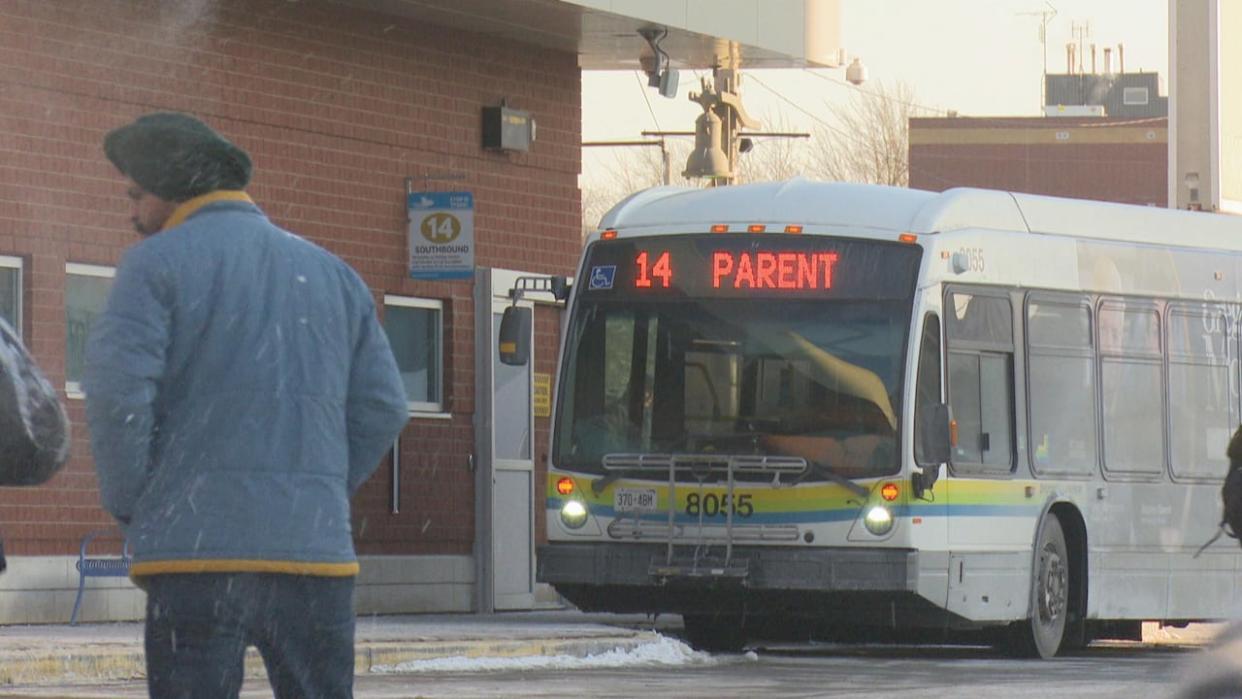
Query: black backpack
{"points": [[1231, 491], [34, 429]]}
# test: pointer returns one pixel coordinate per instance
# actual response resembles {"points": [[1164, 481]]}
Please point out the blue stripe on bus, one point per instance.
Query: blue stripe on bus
{"points": [[979, 511]]}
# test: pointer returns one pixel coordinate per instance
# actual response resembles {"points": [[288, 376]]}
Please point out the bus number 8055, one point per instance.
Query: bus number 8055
{"points": [[713, 505]]}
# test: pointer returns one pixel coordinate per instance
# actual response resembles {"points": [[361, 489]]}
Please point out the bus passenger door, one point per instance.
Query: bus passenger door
{"points": [[990, 517]]}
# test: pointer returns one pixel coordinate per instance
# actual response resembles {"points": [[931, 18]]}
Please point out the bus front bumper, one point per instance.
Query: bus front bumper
{"points": [[754, 568]]}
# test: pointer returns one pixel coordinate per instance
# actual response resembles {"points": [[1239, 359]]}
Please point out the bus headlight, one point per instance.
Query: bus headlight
{"points": [[574, 514], [878, 520]]}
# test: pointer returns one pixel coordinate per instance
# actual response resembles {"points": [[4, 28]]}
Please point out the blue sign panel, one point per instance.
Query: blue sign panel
{"points": [[441, 235]]}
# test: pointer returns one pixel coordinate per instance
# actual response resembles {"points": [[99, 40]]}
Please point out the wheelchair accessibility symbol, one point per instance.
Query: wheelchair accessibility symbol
{"points": [[601, 277]]}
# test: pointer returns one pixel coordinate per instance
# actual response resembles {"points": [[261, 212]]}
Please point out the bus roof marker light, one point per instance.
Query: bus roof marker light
{"points": [[793, 229], [609, 234], [908, 238], [565, 485], [720, 228], [756, 228]]}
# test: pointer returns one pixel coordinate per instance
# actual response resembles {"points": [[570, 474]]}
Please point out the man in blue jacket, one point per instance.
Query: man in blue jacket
{"points": [[239, 390]]}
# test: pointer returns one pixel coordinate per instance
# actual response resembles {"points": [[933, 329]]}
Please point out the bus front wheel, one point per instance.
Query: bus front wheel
{"points": [[1040, 636]]}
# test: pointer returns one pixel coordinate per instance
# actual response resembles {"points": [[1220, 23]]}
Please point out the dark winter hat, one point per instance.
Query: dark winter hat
{"points": [[176, 157]]}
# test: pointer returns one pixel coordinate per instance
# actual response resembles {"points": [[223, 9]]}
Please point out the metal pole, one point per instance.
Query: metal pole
{"points": [[395, 504], [744, 134], [668, 167]]}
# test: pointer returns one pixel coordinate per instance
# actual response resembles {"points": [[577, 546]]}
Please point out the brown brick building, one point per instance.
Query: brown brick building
{"points": [[1105, 158], [337, 107], [345, 107]]}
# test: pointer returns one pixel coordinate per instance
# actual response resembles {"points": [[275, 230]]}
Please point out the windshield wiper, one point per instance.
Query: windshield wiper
{"points": [[823, 470], [598, 485]]}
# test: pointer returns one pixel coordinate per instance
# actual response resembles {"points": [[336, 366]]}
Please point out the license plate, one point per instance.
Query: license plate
{"points": [[634, 500]]}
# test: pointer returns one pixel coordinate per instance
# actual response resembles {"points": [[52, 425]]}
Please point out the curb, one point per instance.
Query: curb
{"points": [[97, 664]]}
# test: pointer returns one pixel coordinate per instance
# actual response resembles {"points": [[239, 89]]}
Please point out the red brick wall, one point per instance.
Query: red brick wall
{"points": [[337, 106], [1121, 160]]}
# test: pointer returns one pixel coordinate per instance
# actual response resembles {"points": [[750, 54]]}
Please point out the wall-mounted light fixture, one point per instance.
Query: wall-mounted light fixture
{"points": [[507, 129]]}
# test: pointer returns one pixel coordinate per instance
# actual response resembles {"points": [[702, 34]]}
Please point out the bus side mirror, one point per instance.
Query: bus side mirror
{"points": [[514, 340], [935, 431]]}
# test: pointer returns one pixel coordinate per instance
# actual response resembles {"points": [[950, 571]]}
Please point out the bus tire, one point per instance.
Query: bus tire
{"points": [[715, 633], [1041, 635]]}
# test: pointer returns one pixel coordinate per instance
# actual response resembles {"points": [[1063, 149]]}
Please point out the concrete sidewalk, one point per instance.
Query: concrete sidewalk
{"points": [[59, 654], [46, 654]]}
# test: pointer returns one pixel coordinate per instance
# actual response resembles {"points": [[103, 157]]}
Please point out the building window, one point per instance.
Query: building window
{"points": [[980, 339], [1134, 96], [415, 331], [86, 293], [11, 292]]}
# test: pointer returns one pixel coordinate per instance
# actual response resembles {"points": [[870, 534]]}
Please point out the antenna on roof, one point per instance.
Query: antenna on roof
{"points": [[1081, 32], [1045, 16]]}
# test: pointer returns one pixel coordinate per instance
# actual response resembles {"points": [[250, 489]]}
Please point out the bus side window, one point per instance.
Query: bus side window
{"points": [[1131, 386], [980, 342], [1061, 391], [927, 388], [1200, 387]]}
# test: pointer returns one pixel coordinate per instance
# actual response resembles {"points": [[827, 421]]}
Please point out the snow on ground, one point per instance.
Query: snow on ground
{"points": [[1193, 634], [664, 652]]}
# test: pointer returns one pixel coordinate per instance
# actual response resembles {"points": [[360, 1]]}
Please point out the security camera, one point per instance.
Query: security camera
{"points": [[660, 74], [856, 73], [668, 82]]}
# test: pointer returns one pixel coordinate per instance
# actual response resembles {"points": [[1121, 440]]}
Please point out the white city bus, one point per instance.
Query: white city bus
{"points": [[798, 408]]}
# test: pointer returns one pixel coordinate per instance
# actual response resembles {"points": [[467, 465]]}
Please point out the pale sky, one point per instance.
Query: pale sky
{"points": [[978, 57]]}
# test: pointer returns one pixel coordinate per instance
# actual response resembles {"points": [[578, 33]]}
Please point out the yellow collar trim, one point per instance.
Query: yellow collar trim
{"points": [[189, 206], [327, 570]]}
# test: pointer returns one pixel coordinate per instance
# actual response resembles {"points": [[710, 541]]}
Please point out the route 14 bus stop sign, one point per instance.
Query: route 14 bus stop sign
{"points": [[441, 235]]}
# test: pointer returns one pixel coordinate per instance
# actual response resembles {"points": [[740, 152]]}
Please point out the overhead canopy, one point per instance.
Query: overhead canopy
{"points": [[604, 33]]}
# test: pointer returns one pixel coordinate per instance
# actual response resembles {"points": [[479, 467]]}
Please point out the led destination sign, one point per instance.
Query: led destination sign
{"points": [[745, 269], [747, 265], [773, 270]]}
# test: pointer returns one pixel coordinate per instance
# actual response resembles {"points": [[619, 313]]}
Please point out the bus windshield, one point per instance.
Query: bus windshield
{"points": [[691, 369]]}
